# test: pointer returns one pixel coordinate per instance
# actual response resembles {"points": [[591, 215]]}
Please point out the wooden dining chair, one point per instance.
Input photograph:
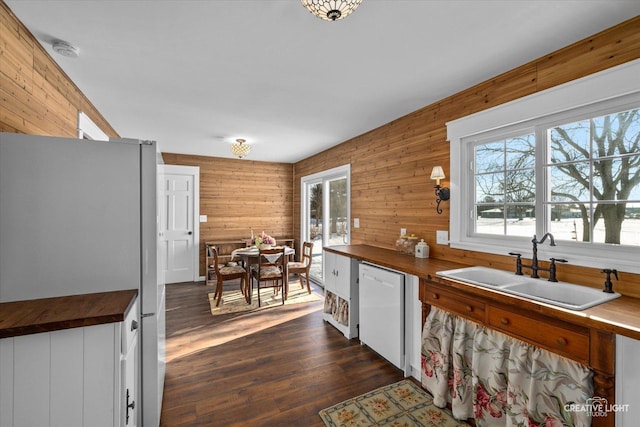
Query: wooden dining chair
{"points": [[270, 272], [229, 273], [302, 267]]}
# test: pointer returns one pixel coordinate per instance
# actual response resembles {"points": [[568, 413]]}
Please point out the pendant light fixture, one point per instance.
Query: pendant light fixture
{"points": [[240, 149], [331, 10]]}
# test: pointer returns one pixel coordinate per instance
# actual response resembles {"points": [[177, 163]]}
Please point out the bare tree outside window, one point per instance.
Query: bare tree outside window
{"points": [[505, 186], [595, 175]]}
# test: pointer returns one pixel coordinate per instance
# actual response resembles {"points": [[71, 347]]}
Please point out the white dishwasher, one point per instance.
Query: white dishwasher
{"points": [[381, 296]]}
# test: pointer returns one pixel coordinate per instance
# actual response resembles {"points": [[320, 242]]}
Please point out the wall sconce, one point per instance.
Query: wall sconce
{"points": [[442, 193]]}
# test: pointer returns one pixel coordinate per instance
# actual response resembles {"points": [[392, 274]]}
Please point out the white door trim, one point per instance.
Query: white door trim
{"points": [[195, 171]]}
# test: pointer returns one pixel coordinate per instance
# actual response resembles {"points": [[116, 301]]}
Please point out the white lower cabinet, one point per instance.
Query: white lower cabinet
{"points": [[627, 382], [130, 392], [341, 293], [71, 377]]}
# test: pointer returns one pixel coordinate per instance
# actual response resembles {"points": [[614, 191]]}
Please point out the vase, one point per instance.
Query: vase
{"points": [[264, 246]]}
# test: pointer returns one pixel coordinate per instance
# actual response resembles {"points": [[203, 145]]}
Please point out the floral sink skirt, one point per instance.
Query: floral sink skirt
{"points": [[499, 380]]}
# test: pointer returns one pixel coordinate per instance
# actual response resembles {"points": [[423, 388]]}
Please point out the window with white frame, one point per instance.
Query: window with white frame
{"points": [[589, 189], [573, 171], [505, 186]]}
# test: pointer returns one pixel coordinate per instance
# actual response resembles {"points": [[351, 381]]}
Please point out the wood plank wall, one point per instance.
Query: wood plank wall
{"points": [[237, 195], [391, 165], [37, 97]]}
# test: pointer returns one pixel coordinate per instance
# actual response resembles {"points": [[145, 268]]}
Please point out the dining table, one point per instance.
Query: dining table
{"points": [[250, 254]]}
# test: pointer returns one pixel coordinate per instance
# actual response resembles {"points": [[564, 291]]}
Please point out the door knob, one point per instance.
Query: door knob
{"points": [[190, 233]]}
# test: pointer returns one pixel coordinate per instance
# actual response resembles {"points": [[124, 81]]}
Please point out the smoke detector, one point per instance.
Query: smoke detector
{"points": [[66, 49]]}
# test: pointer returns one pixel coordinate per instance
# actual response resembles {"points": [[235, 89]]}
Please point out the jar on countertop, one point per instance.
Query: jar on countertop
{"points": [[422, 249], [409, 244]]}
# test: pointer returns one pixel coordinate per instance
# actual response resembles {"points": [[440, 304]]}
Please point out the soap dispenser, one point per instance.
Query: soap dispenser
{"points": [[422, 249]]}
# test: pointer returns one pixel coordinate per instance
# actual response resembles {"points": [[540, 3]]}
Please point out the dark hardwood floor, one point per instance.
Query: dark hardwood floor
{"points": [[274, 367]]}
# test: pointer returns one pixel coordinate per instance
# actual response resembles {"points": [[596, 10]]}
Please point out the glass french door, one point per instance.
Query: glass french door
{"points": [[325, 213]]}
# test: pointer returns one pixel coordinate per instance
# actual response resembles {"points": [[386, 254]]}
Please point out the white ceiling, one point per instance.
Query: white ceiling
{"points": [[195, 75]]}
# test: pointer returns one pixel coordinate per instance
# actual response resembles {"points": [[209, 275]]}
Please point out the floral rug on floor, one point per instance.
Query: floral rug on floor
{"points": [[233, 301], [400, 404]]}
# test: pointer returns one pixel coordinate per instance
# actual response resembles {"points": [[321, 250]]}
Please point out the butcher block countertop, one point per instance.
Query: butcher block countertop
{"points": [[619, 316], [73, 311]]}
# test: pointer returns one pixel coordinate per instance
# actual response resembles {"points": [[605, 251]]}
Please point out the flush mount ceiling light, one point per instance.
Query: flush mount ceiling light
{"points": [[240, 149], [66, 49], [331, 10]]}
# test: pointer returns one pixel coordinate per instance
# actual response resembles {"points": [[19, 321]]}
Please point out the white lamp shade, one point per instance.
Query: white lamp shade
{"points": [[437, 173]]}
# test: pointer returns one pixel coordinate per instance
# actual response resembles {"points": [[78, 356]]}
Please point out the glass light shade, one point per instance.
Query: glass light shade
{"points": [[437, 173], [240, 149], [331, 10]]}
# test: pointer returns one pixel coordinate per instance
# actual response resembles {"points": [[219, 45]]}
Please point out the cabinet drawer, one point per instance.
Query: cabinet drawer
{"points": [[454, 303], [569, 340], [130, 326]]}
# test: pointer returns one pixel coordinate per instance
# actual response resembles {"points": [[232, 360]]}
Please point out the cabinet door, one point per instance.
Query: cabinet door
{"points": [[329, 273], [67, 364], [130, 400], [63, 377], [31, 387], [101, 353], [627, 380], [343, 276], [6, 382]]}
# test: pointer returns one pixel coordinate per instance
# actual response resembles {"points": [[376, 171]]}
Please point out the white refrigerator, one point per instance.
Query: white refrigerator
{"points": [[80, 216]]}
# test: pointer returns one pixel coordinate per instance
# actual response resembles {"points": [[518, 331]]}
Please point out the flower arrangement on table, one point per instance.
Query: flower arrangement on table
{"points": [[263, 241]]}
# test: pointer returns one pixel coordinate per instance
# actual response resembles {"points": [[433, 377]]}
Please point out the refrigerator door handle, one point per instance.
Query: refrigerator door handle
{"points": [[143, 315]]}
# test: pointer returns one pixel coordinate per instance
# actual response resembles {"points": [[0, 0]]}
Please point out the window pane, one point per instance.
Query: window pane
{"points": [[490, 219], [490, 188], [520, 152], [504, 176], [338, 212], [568, 220], [521, 186], [489, 157], [570, 142], [521, 220], [617, 223], [315, 220], [606, 179], [616, 134], [570, 182], [630, 233]]}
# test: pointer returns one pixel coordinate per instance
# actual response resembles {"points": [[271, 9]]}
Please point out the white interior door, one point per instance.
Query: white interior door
{"points": [[179, 229]]}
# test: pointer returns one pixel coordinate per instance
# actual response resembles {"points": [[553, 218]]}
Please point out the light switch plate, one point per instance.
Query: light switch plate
{"points": [[442, 237], [356, 222], [203, 218], [403, 231]]}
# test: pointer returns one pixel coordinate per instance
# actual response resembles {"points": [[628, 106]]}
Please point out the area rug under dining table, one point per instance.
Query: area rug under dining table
{"points": [[233, 301], [401, 404]]}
